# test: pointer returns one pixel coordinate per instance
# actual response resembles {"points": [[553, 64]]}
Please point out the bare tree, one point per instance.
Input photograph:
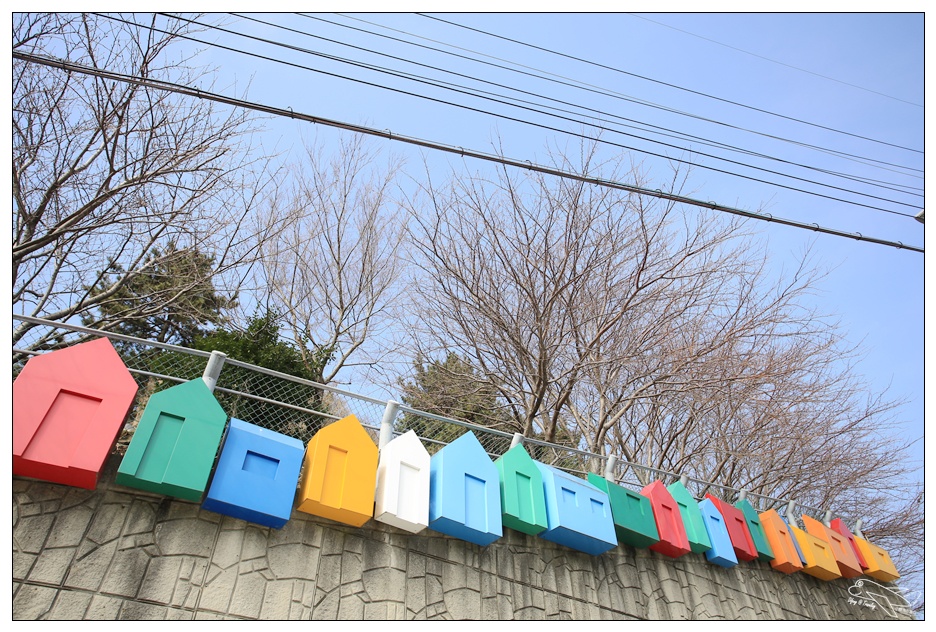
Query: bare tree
{"points": [[109, 176], [654, 333], [332, 270], [545, 284]]}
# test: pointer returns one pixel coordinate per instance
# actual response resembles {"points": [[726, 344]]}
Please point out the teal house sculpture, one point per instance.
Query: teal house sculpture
{"points": [[175, 443], [578, 513], [756, 529], [699, 541], [256, 475], [631, 511], [464, 492], [523, 503]]}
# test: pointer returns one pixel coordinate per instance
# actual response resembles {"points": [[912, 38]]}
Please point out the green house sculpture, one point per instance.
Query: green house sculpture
{"points": [[175, 443], [699, 541], [523, 502], [632, 513], [756, 529]]}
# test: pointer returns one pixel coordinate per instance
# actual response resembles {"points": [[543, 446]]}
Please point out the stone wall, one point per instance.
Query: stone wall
{"points": [[116, 553]]}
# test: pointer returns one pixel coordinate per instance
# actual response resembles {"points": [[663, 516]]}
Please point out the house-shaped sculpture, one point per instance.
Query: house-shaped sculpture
{"points": [[464, 492], [721, 552], [839, 526], [786, 559], [673, 540], [577, 512], [818, 560], [256, 475], [68, 409], [175, 443], [880, 565], [340, 473], [523, 500], [696, 531], [841, 548], [632, 513], [402, 494], [796, 546], [738, 530], [761, 545]]}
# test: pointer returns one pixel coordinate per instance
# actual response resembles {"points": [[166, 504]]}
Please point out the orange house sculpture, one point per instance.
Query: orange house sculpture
{"points": [[340, 473]]}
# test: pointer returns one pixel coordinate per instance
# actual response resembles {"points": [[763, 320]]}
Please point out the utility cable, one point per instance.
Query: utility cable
{"points": [[780, 63], [675, 134], [547, 127], [386, 134], [591, 88], [670, 85]]}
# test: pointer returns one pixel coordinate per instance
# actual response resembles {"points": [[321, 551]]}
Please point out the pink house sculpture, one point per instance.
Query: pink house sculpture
{"points": [[68, 408]]}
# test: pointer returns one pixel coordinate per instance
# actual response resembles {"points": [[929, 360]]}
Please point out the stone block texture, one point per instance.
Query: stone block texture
{"points": [[120, 554]]}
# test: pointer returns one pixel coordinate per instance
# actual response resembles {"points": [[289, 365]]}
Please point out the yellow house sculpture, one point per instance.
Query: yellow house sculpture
{"points": [[339, 473], [880, 565], [819, 560]]}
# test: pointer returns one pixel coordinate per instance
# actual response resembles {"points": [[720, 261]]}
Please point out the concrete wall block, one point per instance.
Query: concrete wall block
{"points": [[30, 532], [22, 563], [385, 584], [51, 566], [129, 556], [293, 561], [124, 575], [277, 601], [89, 567], [247, 597], [70, 606], [69, 526], [463, 603], [160, 580], [103, 608], [32, 603], [190, 536]]}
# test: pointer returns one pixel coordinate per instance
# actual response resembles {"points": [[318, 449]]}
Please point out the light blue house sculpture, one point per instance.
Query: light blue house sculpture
{"points": [[464, 492], [577, 512], [721, 551]]}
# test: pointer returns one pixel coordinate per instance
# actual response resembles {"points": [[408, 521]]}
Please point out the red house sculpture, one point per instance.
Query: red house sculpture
{"points": [[68, 407]]}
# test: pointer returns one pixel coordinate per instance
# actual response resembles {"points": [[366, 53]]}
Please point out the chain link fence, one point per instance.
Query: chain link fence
{"points": [[299, 408]]}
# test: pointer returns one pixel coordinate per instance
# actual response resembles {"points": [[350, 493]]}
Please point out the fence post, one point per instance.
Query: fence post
{"points": [[742, 494], [386, 424], [858, 529], [213, 369], [791, 518], [684, 480], [827, 520], [609, 468], [517, 439]]}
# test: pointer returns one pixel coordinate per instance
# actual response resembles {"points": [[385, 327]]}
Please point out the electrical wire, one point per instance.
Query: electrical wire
{"points": [[594, 89], [675, 134], [540, 125], [670, 85], [520, 164], [780, 63]]}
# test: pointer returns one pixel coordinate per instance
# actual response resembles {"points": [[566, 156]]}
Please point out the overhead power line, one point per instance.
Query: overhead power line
{"points": [[779, 63], [520, 164], [670, 85], [549, 76], [540, 125], [642, 126]]}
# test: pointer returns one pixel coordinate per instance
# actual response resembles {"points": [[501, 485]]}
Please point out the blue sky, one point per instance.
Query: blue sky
{"points": [[840, 75]]}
